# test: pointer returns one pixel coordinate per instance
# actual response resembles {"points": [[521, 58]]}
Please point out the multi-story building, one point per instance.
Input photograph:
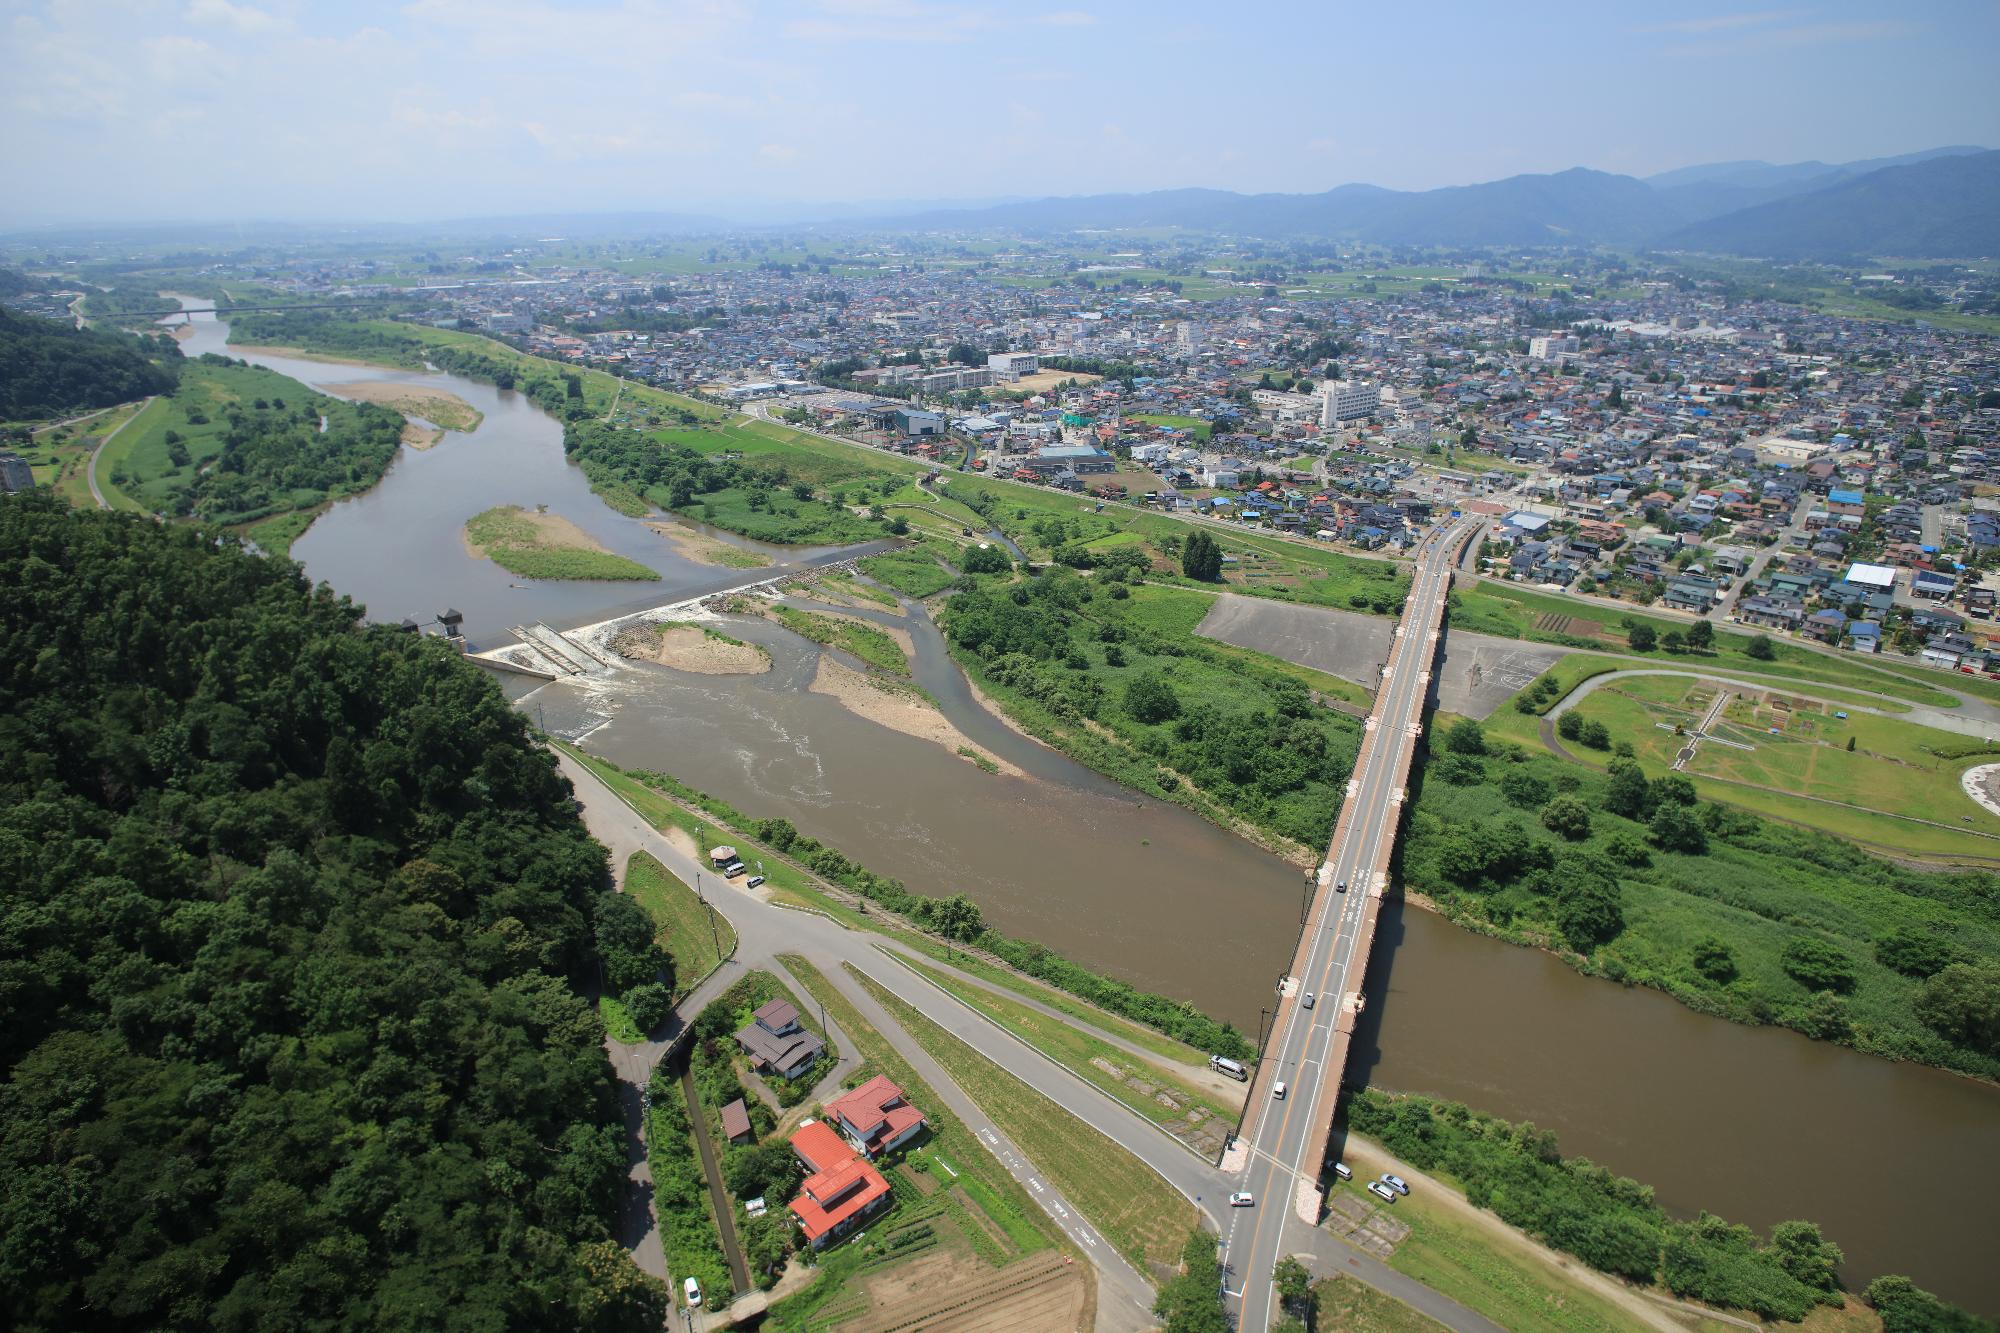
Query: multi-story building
{"points": [[1553, 346], [1348, 400], [1008, 366]]}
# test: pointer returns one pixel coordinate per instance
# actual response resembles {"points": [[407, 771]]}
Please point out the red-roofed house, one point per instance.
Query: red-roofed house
{"points": [[875, 1117], [842, 1189]]}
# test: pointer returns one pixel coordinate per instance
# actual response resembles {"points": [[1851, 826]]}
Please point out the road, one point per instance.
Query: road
{"points": [[1794, 529], [1308, 1048], [90, 473]]}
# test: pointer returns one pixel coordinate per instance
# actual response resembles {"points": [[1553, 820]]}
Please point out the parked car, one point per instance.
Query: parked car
{"points": [[1396, 1183], [1343, 1170], [1242, 1199], [692, 1290], [753, 881], [733, 869], [1381, 1191]]}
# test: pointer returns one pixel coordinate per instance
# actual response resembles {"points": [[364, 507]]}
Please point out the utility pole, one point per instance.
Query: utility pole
{"points": [[1262, 1014]]}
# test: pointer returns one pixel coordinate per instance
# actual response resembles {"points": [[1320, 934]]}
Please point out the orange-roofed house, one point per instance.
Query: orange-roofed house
{"points": [[841, 1190], [875, 1117]]}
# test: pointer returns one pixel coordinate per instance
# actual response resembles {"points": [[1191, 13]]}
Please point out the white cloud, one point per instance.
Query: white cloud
{"points": [[1067, 18], [1713, 23], [243, 18]]}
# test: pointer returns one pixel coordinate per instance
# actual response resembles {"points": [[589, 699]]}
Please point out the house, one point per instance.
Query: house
{"points": [[775, 1042], [1690, 594], [875, 1117], [1865, 636], [1845, 503], [841, 1190], [1826, 626], [1770, 612], [1930, 583], [736, 1122]]}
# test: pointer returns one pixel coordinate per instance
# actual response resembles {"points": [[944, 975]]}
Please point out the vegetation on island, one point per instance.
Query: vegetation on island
{"points": [[298, 924], [1613, 1224], [537, 547], [1639, 880], [865, 642], [54, 368]]}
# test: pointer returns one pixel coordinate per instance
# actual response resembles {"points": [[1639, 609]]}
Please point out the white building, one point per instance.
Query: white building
{"points": [[1552, 347], [1008, 366], [1345, 400]]}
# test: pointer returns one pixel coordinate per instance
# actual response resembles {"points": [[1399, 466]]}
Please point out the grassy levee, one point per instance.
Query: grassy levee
{"points": [[1078, 1050], [696, 935], [150, 421], [1518, 613], [1352, 1306], [1129, 1203]]}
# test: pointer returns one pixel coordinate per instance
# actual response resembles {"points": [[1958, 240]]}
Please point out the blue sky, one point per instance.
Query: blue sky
{"points": [[136, 109]]}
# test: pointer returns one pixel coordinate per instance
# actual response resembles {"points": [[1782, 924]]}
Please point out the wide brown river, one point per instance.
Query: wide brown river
{"points": [[1900, 1164]]}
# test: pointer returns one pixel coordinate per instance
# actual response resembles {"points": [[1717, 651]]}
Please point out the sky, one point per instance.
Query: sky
{"points": [[168, 110]]}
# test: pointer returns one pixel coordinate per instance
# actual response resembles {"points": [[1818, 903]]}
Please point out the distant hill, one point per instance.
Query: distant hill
{"points": [[49, 368], [1579, 206], [1943, 207]]}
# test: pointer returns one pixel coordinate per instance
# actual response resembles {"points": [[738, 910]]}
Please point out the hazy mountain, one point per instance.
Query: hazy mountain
{"points": [[1942, 207], [1715, 188]]}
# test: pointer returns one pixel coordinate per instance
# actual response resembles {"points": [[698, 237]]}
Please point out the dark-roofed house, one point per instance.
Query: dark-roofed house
{"points": [[775, 1042], [736, 1122]]}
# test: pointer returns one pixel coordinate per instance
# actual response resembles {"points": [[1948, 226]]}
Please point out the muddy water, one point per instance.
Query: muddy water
{"points": [[1901, 1165]]}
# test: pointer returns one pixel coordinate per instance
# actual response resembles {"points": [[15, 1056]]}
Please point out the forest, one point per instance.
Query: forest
{"points": [[1638, 880], [295, 928], [53, 369]]}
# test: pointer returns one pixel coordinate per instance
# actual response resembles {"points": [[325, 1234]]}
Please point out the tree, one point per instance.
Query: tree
{"points": [[1149, 699], [1675, 829], [985, 559], [1713, 959], [1701, 636], [1521, 787], [1907, 1308], [956, 918], [1962, 1004], [1295, 1289], [1641, 637], [1628, 792], [649, 1004], [1674, 789], [1567, 818], [1201, 557], [1817, 964], [1626, 850], [1915, 952], [1570, 725], [1595, 734], [1465, 737], [1587, 908], [1761, 648], [1191, 1301]]}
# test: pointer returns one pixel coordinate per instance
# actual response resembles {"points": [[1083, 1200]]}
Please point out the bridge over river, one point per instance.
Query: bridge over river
{"points": [[1286, 1139]]}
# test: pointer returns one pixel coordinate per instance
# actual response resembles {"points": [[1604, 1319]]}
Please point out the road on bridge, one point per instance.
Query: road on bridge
{"points": [[1308, 1046]]}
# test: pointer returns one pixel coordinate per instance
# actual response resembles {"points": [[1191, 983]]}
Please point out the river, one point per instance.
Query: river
{"points": [[1899, 1164]]}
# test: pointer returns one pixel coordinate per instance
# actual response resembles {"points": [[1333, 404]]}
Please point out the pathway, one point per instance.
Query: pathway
{"points": [[91, 471]]}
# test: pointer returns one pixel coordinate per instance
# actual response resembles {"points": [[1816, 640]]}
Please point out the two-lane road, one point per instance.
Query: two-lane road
{"points": [[1309, 1048]]}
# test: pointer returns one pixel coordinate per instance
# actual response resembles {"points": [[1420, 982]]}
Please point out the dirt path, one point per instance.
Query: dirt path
{"points": [[725, 1214]]}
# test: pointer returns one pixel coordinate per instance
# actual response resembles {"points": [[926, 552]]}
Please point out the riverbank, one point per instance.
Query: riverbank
{"points": [[901, 709], [693, 648], [307, 354], [706, 550], [539, 545]]}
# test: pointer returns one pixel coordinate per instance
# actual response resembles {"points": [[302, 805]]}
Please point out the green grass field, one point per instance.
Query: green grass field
{"points": [[1077, 1049], [914, 573], [1352, 1306], [508, 536], [696, 935], [1130, 1204], [866, 642], [1895, 767], [1201, 429]]}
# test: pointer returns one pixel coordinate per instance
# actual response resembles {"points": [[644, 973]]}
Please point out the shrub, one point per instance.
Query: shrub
{"points": [[1817, 964]]}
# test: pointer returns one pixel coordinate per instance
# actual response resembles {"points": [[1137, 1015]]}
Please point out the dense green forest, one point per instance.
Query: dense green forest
{"points": [[1612, 1223], [53, 368], [1115, 676], [1639, 881], [294, 926]]}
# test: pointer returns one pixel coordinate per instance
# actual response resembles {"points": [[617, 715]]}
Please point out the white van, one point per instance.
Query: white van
{"points": [[1222, 1064], [1343, 1170]]}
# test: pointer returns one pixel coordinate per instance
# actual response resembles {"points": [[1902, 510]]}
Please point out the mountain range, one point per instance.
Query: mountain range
{"points": [[1943, 203]]}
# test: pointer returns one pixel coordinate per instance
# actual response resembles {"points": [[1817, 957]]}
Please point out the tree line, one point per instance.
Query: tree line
{"points": [[294, 940]]}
